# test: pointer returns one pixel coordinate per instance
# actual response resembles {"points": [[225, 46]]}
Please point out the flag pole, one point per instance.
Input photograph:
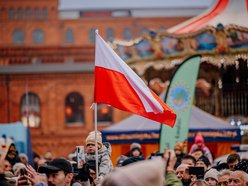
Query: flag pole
{"points": [[96, 138], [95, 123]]}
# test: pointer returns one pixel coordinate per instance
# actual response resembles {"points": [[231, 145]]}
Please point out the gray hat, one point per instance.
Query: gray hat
{"points": [[212, 173]]}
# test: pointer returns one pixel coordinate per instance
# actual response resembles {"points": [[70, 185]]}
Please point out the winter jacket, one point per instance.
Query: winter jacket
{"points": [[104, 161]]}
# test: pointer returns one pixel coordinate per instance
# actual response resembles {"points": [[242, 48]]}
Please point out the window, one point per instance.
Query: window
{"points": [[44, 13], [110, 34], [28, 14], [38, 36], [104, 113], [127, 34], [19, 14], [11, 14], [36, 13], [92, 35], [30, 110], [69, 36], [18, 36], [144, 31], [74, 109]]}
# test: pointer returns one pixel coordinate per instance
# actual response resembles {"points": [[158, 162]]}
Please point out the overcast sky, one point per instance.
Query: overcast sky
{"points": [[129, 4]]}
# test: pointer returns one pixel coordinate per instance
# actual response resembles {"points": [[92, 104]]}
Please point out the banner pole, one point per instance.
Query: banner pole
{"points": [[96, 138]]}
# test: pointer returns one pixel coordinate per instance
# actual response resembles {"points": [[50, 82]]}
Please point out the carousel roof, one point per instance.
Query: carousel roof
{"points": [[223, 11]]}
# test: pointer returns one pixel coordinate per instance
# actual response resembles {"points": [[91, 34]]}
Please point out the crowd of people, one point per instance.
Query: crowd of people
{"points": [[173, 167]]}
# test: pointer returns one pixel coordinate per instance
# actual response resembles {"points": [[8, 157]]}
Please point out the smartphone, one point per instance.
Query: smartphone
{"points": [[198, 171], [80, 156], [24, 181]]}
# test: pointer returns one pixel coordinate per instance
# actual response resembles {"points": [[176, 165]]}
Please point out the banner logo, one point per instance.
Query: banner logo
{"points": [[179, 97]]}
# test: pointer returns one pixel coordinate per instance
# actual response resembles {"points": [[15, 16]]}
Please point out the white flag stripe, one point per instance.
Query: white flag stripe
{"points": [[112, 61]]}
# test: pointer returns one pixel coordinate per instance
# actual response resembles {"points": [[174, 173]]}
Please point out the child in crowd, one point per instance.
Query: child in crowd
{"points": [[104, 152]]}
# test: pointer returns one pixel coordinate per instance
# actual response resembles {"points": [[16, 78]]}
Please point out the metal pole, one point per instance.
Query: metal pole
{"points": [[96, 138]]}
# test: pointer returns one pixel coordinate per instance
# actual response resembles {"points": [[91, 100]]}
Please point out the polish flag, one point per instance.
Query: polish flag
{"points": [[118, 85]]}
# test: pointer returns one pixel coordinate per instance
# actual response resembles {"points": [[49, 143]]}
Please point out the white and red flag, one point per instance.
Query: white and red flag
{"points": [[118, 85]]}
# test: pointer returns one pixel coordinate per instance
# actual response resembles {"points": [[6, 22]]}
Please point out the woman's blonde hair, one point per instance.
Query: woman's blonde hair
{"points": [[199, 183]]}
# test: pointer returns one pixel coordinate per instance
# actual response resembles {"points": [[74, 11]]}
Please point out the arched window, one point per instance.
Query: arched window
{"points": [[18, 36], [110, 35], [19, 14], [11, 14], [69, 36], [38, 36], [127, 34], [144, 31], [28, 13], [104, 114], [44, 13], [36, 13], [30, 110], [74, 109], [92, 35]]}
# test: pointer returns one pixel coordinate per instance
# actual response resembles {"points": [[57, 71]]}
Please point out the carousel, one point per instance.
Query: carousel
{"points": [[220, 35]]}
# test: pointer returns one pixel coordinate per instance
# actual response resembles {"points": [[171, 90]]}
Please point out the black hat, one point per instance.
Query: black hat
{"points": [[205, 160], [55, 165], [242, 165]]}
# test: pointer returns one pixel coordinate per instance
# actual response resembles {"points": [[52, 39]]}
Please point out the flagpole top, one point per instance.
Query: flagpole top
{"points": [[96, 31]]}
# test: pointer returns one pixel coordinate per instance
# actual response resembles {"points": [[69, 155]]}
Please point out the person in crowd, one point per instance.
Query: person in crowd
{"points": [[232, 160], [17, 167], [12, 155], [188, 159], [238, 178], [199, 183], [135, 154], [221, 166], [59, 172], [48, 156], [179, 151], [120, 160], [41, 162], [203, 162], [36, 158], [242, 165], [7, 166], [182, 173], [3, 181], [197, 153], [24, 158], [171, 179], [104, 152], [199, 144], [211, 177], [223, 177]]}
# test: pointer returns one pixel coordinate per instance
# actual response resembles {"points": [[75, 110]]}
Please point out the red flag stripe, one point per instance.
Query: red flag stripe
{"points": [[112, 87]]}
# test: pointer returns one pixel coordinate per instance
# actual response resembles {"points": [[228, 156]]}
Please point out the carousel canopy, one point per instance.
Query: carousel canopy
{"points": [[220, 35], [225, 12]]}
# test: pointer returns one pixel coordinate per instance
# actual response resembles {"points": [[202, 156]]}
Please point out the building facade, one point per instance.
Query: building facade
{"points": [[47, 63]]}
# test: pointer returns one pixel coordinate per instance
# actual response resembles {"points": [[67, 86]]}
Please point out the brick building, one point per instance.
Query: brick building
{"points": [[52, 58]]}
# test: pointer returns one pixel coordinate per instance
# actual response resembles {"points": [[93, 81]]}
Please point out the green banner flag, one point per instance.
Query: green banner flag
{"points": [[179, 98]]}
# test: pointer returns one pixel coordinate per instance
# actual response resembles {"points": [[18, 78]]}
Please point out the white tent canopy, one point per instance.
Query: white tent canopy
{"points": [[213, 128], [223, 11]]}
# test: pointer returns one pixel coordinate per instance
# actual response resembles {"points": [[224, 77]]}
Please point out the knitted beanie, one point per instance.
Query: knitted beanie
{"points": [[135, 146], [205, 160], [199, 138], [91, 139], [212, 173], [179, 145]]}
